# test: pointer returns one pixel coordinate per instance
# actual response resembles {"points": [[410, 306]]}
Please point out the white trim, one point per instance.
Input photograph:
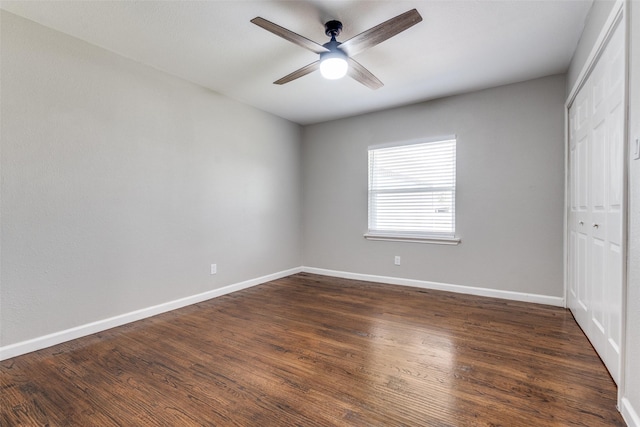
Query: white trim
{"points": [[45, 341], [565, 216], [470, 290], [622, 387], [55, 338], [629, 414], [413, 238], [600, 43]]}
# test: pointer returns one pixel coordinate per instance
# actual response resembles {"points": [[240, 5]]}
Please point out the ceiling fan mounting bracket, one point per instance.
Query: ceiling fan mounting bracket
{"points": [[333, 28]]}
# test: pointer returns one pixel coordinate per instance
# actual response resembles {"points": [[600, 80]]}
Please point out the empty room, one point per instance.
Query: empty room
{"points": [[320, 213]]}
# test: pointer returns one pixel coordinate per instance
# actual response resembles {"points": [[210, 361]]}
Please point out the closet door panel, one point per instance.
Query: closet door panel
{"points": [[579, 201], [615, 83]]}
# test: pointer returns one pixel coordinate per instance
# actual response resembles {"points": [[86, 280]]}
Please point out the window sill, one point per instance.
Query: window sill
{"points": [[435, 240]]}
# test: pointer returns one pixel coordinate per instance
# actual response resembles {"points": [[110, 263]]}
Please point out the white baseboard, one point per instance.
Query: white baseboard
{"points": [[629, 414], [45, 341], [485, 292]]}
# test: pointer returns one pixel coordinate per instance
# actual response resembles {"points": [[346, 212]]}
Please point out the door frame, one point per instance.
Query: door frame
{"points": [[617, 16]]}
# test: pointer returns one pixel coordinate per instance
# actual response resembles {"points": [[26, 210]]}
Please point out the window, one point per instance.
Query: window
{"points": [[412, 191]]}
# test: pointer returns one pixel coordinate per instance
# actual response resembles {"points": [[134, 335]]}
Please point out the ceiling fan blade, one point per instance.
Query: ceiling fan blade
{"points": [[299, 73], [364, 76], [289, 35], [380, 32]]}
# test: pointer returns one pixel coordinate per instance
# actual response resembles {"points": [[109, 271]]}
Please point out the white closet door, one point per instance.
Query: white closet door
{"points": [[579, 218], [595, 263]]}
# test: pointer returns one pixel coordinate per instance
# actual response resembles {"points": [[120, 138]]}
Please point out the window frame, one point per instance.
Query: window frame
{"points": [[416, 237]]}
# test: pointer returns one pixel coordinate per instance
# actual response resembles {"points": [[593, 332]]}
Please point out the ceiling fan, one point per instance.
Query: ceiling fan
{"points": [[336, 58]]}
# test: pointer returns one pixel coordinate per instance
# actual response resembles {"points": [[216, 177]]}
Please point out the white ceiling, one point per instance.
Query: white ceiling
{"points": [[459, 46]]}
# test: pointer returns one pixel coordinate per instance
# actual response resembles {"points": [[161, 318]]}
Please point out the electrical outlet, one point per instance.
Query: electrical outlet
{"points": [[396, 260], [214, 268]]}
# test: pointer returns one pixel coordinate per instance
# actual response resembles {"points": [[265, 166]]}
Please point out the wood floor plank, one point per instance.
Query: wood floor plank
{"points": [[309, 350]]}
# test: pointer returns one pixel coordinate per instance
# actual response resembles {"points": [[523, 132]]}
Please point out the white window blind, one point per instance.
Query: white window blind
{"points": [[412, 189]]}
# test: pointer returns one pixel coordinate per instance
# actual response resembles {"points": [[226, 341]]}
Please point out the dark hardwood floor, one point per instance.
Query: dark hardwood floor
{"points": [[310, 350]]}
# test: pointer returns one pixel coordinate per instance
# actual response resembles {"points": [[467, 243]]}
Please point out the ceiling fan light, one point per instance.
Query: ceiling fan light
{"points": [[333, 66]]}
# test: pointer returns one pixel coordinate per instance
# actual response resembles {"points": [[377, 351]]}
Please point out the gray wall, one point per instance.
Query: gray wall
{"points": [[595, 20], [121, 185], [632, 371], [510, 181]]}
